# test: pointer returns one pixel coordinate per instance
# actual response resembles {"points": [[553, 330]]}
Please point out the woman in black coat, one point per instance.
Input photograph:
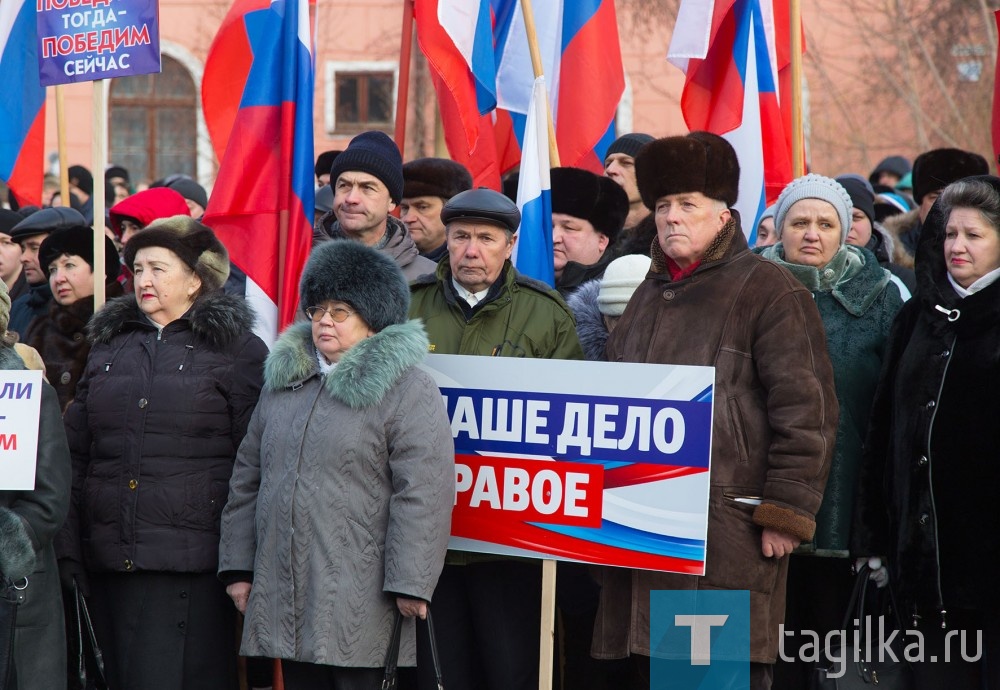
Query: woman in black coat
{"points": [[928, 490], [165, 400], [67, 259]]}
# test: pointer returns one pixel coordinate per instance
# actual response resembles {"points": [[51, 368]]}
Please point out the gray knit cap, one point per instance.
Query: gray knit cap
{"points": [[814, 186]]}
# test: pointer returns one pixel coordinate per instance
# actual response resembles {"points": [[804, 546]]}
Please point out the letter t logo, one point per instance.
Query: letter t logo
{"points": [[701, 635]]}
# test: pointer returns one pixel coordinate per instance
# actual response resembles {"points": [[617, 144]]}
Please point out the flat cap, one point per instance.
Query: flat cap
{"points": [[47, 220], [483, 205]]}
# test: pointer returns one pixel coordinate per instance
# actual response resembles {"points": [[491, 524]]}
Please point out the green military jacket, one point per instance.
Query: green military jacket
{"points": [[525, 318]]}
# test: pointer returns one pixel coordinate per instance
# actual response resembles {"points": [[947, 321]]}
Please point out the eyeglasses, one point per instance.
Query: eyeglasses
{"points": [[338, 314]]}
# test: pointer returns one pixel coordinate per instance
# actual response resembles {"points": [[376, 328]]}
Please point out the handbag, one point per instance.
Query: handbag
{"points": [[389, 678], [864, 674], [8, 622], [87, 671]]}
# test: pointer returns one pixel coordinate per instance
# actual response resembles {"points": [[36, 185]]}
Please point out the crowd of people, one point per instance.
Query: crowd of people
{"points": [[209, 498]]}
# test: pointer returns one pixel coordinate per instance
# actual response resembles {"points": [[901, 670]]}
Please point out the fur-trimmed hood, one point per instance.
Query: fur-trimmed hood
{"points": [[364, 374], [217, 319], [589, 320], [896, 226]]}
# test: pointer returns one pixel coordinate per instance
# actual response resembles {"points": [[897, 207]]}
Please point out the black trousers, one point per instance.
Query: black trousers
{"points": [[974, 633], [299, 675]]}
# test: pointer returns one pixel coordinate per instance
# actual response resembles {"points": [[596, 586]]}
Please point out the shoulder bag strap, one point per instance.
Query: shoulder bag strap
{"points": [[434, 650], [392, 655]]}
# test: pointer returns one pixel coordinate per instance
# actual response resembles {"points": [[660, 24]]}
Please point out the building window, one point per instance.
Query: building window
{"points": [[360, 96], [153, 123]]}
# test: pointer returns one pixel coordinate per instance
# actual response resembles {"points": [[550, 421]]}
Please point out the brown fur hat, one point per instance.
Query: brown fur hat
{"points": [[435, 177], [598, 199], [194, 243], [936, 169], [699, 162]]}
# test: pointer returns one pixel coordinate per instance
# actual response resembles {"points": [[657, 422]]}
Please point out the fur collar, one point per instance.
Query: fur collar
{"points": [[217, 319], [589, 320], [364, 374], [9, 359], [853, 277], [896, 226], [718, 250]]}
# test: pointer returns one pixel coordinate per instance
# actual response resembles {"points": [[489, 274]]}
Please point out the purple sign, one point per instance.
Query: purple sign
{"points": [[86, 40]]}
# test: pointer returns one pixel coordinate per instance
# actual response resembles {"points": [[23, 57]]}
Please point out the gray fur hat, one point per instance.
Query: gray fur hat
{"points": [[195, 244], [348, 271]]}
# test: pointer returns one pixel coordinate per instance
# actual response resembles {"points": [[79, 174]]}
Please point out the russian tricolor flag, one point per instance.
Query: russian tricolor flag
{"points": [[733, 52], [257, 94], [532, 253], [478, 52], [22, 107]]}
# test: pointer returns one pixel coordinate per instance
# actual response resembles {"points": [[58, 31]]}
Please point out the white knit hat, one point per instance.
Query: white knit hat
{"points": [[621, 278], [814, 186]]}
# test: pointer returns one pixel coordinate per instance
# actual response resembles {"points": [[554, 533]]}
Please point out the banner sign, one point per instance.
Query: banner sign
{"points": [[20, 406], [597, 462], [86, 40]]}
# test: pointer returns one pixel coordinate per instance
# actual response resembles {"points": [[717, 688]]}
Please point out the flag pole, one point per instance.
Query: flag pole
{"points": [[536, 64], [61, 139], [100, 160], [798, 140], [403, 88], [548, 602]]}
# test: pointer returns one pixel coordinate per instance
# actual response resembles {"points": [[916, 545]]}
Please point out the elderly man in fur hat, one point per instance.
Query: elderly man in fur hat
{"points": [[588, 212], [932, 171], [428, 183], [709, 301]]}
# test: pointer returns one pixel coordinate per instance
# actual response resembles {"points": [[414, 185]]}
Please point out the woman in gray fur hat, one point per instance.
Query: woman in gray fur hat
{"points": [[164, 401], [29, 521], [340, 504]]}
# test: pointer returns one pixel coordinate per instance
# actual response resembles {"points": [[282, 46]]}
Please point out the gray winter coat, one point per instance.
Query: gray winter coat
{"points": [[340, 500]]}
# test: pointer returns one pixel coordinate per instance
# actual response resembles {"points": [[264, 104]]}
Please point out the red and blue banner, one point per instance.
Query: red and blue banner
{"points": [[257, 96], [86, 40], [548, 464], [22, 108], [580, 52], [736, 57]]}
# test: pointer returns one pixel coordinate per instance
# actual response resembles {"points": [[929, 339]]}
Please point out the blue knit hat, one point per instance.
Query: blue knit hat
{"points": [[376, 154]]}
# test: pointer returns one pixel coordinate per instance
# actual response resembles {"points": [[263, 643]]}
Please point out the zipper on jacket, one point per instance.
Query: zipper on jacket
{"points": [[187, 351], [930, 477]]}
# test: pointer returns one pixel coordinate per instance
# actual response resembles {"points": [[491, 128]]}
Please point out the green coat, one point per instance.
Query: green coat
{"points": [[525, 319], [857, 302]]}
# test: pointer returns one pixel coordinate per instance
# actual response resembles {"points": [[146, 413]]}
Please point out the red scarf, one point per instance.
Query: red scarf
{"points": [[678, 273]]}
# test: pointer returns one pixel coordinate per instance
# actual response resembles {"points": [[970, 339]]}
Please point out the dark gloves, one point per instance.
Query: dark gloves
{"points": [[70, 570]]}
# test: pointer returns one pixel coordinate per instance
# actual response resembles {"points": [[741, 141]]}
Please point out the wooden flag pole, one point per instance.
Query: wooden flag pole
{"points": [[798, 139], [403, 88], [100, 162], [539, 69], [61, 138]]}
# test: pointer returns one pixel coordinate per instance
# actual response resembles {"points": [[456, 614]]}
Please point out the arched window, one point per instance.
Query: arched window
{"points": [[153, 123]]}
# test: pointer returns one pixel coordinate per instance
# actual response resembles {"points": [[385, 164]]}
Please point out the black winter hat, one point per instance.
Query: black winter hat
{"points": [[376, 154], [47, 220], [114, 171], [435, 177], [629, 144], [861, 196], [897, 165], [485, 206], [325, 161], [698, 162], [8, 219], [78, 241], [369, 281], [936, 169], [598, 199], [190, 190], [81, 177], [195, 244]]}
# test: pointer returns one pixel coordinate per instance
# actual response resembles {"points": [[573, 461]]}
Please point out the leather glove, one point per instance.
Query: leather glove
{"points": [[70, 570], [877, 572]]}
